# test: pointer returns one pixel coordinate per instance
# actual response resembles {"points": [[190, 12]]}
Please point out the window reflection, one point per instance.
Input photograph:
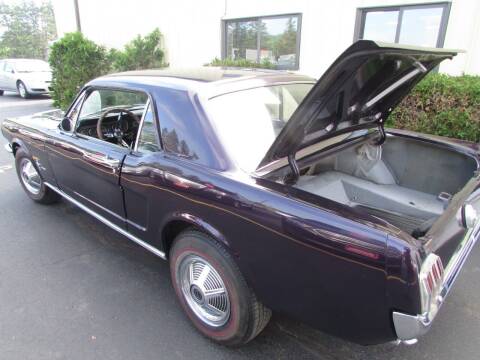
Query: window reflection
{"points": [[418, 25], [242, 40], [181, 128], [264, 40], [421, 27], [381, 25], [147, 141]]}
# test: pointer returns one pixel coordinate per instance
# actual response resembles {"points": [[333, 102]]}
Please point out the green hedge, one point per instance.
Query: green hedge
{"points": [[442, 105], [141, 53], [75, 60]]}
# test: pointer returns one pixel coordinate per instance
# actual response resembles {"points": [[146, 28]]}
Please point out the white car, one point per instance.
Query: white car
{"points": [[25, 76]]}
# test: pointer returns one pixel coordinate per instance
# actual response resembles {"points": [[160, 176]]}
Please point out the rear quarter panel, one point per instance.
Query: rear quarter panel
{"points": [[307, 261]]}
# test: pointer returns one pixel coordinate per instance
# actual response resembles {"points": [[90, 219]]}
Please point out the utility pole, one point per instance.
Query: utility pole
{"points": [[77, 15]]}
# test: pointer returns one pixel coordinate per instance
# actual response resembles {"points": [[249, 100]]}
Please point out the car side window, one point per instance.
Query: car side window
{"points": [[148, 138], [100, 100], [8, 67]]}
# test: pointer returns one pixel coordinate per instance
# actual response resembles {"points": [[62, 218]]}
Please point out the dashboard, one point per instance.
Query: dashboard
{"points": [[128, 126]]}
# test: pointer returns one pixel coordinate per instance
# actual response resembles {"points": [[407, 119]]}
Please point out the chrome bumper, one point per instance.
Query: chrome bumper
{"points": [[8, 147], [409, 327]]}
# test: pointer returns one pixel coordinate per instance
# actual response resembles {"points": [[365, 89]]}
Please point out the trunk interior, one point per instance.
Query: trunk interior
{"points": [[405, 181]]}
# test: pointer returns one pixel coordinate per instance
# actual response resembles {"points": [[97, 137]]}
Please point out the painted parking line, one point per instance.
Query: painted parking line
{"points": [[4, 168]]}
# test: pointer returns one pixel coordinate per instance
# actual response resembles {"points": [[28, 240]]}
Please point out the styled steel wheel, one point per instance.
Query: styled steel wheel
{"points": [[31, 180], [22, 90], [213, 291], [30, 177], [204, 290]]}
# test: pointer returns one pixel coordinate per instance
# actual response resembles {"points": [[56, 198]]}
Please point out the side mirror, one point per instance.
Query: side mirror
{"points": [[12, 71], [66, 124]]}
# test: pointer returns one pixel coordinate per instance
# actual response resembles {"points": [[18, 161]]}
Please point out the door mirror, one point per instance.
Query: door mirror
{"points": [[66, 124], [12, 71]]}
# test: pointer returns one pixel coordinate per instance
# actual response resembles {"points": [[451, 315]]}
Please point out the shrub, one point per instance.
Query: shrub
{"points": [[442, 105], [244, 63], [74, 61], [140, 53]]}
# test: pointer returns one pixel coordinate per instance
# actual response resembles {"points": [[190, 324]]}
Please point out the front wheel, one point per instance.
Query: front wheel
{"points": [[31, 180], [1, 92], [22, 90], [213, 292]]}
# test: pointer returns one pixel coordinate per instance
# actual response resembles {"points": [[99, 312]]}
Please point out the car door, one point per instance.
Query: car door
{"points": [[86, 167], [141, 173]]}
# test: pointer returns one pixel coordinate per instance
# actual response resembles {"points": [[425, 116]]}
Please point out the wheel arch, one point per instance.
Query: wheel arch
{"points": [[180, 221], [17, 144]]}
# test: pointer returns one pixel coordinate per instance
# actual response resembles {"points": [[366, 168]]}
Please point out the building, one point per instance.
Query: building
{"points": [[304, 35]]}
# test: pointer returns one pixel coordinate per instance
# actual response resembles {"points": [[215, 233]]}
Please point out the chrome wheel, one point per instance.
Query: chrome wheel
{"points": [[30, 177], [204, 290], [22, 90]]}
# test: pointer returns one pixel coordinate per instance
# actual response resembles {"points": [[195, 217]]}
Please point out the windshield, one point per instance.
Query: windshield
{"points": [[249, 121], [31, 66]]}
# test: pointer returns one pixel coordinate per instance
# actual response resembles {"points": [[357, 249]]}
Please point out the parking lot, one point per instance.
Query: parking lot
{"points": [[71, 288]]}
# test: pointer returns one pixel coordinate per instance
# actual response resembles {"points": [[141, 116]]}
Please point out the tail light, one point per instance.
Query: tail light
{"points": [[470, 216], [431, 280]]}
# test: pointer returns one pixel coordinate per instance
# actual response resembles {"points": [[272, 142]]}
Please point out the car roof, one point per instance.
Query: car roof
{"points": [[208, 80]]}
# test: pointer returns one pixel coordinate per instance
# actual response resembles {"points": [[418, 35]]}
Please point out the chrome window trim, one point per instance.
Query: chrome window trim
{"points": [[140, 126], [107, 222], [76, 105]]}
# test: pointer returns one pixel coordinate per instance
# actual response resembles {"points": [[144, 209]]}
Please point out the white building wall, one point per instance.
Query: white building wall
{"points": [[192, 28]]}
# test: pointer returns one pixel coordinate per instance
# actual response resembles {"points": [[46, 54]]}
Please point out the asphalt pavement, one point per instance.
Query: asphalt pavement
{"points": [[71, 288]]}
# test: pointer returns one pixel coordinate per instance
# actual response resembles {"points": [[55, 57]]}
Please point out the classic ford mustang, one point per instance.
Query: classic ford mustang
{"points": [[270, 191]]}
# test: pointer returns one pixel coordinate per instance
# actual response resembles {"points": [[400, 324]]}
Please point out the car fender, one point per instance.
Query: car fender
{"points": [[195, 221], [16, 143]]}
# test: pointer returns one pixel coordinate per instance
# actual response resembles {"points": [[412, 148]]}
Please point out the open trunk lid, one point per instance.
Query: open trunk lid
{"points": [[358, 91]]}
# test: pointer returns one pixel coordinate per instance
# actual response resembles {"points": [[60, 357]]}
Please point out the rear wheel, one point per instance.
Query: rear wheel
{"points": [[213, 292], [22, 90], [31, 180]]}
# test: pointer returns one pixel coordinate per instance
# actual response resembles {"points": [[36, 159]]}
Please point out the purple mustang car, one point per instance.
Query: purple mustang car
{"points": [[269, 191]]}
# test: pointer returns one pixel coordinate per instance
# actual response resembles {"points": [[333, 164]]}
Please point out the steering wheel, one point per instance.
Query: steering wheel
{"points": [[120, 127]]}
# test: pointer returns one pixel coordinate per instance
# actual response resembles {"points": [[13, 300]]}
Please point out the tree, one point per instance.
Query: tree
{"points": [[28, 29], [140, 53]]}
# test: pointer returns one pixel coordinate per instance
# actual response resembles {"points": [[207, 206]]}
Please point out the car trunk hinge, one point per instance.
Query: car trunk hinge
{"points": [[291, 180], [383, 136]]}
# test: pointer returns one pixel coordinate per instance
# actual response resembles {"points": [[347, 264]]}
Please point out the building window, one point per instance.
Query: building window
{"points": [[271, 39], [419, 25]]}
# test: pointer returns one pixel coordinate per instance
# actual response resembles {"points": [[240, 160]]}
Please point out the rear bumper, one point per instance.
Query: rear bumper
{"points": [[409, 327]]}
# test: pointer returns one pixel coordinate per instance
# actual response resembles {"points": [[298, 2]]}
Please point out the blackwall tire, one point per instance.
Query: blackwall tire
{"points": [[31, 180], [246, 317], [22, 90]]}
